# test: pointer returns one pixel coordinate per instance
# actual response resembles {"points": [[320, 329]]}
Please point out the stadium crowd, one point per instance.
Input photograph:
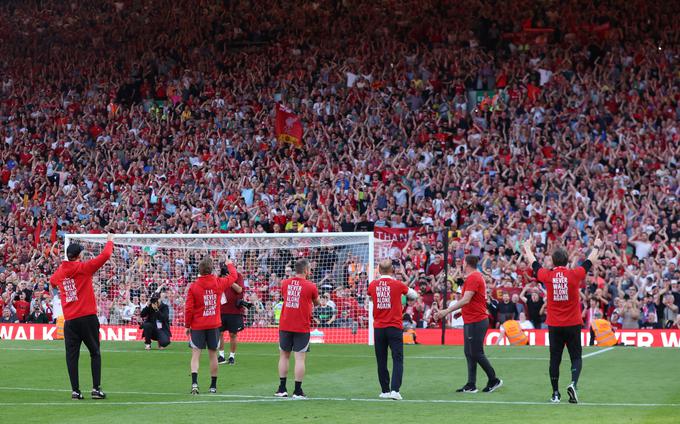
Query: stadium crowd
{"points": [[140, 116]]}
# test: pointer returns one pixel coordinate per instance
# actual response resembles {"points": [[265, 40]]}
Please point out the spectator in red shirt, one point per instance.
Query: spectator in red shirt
{"points": [[476, 322], [299, 297], [22, 307]]}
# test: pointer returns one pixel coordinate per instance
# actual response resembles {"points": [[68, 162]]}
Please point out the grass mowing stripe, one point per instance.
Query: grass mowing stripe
{"points": [[276, 354]]}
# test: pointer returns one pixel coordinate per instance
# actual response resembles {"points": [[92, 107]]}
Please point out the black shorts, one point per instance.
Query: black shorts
{"points": [[232, 323], [200, 339], [295, 342], [559, 337]]}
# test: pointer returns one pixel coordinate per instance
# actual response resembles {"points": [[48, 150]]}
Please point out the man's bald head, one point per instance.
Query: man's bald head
{"points": [[385, 267]]}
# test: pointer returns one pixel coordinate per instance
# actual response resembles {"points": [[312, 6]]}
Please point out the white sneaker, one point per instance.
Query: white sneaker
{"points": [[386, 395], [395, 395], [555, 397], [281, 394], [147, 347]]}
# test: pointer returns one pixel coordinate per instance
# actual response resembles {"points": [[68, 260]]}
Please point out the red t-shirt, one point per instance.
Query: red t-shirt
{"points": [[231, 297], [475, 311], [74, 281], [201, 310], [298, 296], [564, 304], [386, 295], [23, 309]]}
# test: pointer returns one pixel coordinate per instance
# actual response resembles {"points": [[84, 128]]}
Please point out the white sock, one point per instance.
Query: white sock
{"points": [[232, 354], [222, 353]]}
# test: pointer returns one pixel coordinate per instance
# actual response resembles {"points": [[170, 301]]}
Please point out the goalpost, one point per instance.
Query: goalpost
{"points": [[143, 264]]}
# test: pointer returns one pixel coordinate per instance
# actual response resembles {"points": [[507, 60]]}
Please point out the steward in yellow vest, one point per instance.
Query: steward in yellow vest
{"points": [[604, 334], [513, 331]]}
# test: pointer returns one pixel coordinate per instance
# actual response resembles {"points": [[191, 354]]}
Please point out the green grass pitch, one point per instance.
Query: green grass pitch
{"points": [[620, 385]]}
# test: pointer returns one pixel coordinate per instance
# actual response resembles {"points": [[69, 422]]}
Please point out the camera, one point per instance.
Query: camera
{"points": [[242, 303]]}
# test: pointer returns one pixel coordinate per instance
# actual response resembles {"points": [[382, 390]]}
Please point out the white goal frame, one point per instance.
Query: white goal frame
{"points": [[370, 239]]}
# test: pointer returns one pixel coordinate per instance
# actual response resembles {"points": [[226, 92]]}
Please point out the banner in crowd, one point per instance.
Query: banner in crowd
{"points": [[397, 236], [454, 337], [288, 126]]}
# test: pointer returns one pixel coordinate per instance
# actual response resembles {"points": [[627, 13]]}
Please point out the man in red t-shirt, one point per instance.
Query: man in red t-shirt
{"points": [[202, 317], [386, 294], [563, 312], [475, 324], [299, 297], [73, 278], [22, 307], [232, 318]]}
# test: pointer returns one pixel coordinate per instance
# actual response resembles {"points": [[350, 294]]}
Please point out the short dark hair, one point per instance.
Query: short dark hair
{"points": [[205, 267], [472, 261], [301, 266], [560, 257], [73, 251]]}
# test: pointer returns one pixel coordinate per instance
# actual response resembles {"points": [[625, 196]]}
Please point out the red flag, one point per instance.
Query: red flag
{"points": [[288, 126], [53, 233], [36, 234]]}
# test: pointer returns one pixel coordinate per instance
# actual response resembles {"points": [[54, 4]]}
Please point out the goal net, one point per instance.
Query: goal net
{"points": [[342, 264]]}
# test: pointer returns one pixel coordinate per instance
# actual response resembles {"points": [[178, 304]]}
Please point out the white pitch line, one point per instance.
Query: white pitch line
{"points": [[332, 399], [29, 389], [160, 402], [597, 352]]}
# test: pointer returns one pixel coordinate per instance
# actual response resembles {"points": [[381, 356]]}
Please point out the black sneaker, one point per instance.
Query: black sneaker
{"points": [[221, 360], [493, 385], [556, 397], [98, 394], [573, 394], [468, 388], [76, 395], [194, 389], [231, 360]]}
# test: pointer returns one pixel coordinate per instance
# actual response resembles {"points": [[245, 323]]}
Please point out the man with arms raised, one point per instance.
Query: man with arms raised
{"points": [[475, 324], [299, 297], [232, 319], [202, 317], [81, 325], [564, 312], [386, 295]]}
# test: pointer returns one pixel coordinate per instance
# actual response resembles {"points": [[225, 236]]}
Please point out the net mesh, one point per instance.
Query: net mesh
{"points": [[144, 264]]}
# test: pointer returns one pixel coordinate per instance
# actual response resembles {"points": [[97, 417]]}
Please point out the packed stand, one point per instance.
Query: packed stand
{"points": [[139, 117]]}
